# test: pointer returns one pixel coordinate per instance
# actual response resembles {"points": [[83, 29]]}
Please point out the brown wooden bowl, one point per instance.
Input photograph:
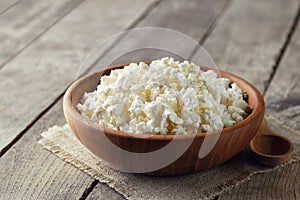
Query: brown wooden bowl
{"points": [[158, 154]]}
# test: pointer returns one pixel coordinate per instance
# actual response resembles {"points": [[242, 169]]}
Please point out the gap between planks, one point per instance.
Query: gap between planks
{"points": [[209, 30], [131, 26], [211, 27], [49, 107], [13, 185], [60, 96], [283, 49], [278, 60], [9, 7], [19, 136], [89, 189], [39, 35]]}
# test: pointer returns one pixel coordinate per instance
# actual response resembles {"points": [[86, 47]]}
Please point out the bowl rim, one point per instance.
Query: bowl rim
{"points": [[69, 108]]}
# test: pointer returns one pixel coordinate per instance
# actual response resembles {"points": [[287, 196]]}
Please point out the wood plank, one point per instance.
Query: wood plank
{"points": [[55, 116], [283, 106], [172, 15], [238, 48], [250, 37], [104, 192], [283, 97], [168, 14], [17, 152], [235, 34], [28, 20], [28, 171], [34, 79], [190, 17], [5, 5], [282, 183]]}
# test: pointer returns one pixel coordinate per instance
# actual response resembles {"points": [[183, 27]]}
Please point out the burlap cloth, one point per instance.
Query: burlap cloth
{"points": [[203, 185]]}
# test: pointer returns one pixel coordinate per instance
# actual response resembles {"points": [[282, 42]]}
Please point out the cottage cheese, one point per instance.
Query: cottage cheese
{"points": [[165, 97]]}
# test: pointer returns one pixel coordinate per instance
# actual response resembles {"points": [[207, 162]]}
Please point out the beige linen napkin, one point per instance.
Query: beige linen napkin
{"points": [[203, 185]]}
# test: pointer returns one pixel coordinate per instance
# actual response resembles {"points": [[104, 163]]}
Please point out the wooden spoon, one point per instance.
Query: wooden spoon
{"points": [[270, 148]]}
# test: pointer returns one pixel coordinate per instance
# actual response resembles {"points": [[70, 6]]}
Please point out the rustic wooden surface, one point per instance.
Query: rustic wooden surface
{"points": [[27, 21], [258, 40], [5, 5], [56, 57]]}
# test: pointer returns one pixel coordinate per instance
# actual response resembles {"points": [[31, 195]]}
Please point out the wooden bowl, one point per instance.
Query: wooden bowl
{"points": [[158, 154]]}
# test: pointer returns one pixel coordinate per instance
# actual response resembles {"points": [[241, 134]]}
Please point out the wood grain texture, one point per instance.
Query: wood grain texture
{"points": [[251, 53], [200, 15], [34, 79], [28, 171], [104, 192], [282, 183], [27, 163], [283, 97], [98, 192], [5, 5], [191, 17], [28, 20], [250, 37], [170, 14]]}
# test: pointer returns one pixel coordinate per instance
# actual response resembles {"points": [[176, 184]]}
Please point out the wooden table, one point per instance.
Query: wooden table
{"points": [[43, 42]]}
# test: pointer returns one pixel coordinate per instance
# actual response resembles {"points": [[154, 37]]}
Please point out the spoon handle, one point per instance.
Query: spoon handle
{"points": [[264, 129]]}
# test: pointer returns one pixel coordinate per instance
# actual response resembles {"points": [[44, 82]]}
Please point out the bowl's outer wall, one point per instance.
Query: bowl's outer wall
{"points": [[229, 144]]}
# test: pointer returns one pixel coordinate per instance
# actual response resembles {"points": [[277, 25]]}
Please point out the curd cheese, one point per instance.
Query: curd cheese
{"points": [[164, 97]]}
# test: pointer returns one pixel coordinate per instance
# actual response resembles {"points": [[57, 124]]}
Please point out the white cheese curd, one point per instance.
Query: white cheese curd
{"points": [[165, 97]]}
